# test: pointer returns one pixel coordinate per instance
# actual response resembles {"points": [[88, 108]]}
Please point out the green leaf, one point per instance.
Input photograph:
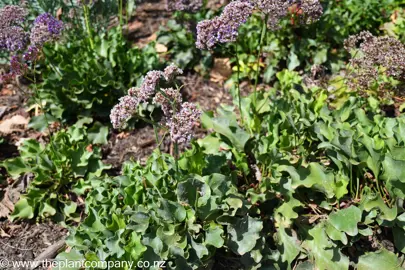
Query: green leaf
{"points": [[322, 252], [335, 234], [372, 201], [97, 134], [71, 256], [289, 246], [214, 236], [228, 127], [244, 234], [346, 220], [382, 259], [22, 210], [399, 238], [15, 167], [40, 122], [193, 192], [293, 61]]}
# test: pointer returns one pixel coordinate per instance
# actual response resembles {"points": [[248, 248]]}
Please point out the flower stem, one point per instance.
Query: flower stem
{"points": [[156, 137], [88, 27], [238, 84], [37, 100], [176, 156], [120, 14], [262, 36]]}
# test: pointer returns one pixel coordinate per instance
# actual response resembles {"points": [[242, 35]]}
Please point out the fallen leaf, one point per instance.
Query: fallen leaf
{"points": [[4, 234], [221, 71], [10, 125], [160, 48]]}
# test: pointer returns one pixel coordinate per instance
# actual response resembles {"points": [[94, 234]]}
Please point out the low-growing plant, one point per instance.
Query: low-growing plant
{"points": [[299, 185], [58, 173], [79, 80]]}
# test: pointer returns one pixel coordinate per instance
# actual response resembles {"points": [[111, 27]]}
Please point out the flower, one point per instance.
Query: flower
{"points": [[184, 5], [31, 54], [182, 123], [46, 28], [377, 55], [123, 111], [12, 35], [171, 72], [224, 28], [149, 84], [169, 99]]}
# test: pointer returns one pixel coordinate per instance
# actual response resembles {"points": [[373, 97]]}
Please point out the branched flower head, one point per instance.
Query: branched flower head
{"points": [[31, 53], [307, 11], [224, 28], [169, 99], [123, 111], [12, 35], [312, 10], [184, 5], [46, 28], [171, 72], [149, 84], [275, 9], [182, 123], [179, 117], [374, 56]]}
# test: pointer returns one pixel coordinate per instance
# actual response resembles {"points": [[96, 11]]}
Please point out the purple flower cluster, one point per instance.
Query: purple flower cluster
{"points": [[12, 35], [224, 28], [180, 117], [169, 99], [46, 28], [275, 9], [312, 10], [14, 38], [149, 85], [171, 72], [184, 5], [375, 56], [307, 11], [182, 123], [123, 111]]}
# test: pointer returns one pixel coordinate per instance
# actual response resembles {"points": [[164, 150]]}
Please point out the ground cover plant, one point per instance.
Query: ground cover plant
{"points": [[303, 169]]}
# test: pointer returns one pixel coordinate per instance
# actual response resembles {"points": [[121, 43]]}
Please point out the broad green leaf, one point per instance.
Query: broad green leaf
{"points": [[289, 246], [97, 134], [399, 238], [15, 167], [335, 234], [382, 259], [244, 234], [193, 192], [41, 122], [322, 252], [214, 236], [346, 220], [72, 256], [22, 210], [371, 202]]}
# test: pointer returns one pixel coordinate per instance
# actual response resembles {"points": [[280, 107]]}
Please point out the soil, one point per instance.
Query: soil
{"points": [[25, 241]]}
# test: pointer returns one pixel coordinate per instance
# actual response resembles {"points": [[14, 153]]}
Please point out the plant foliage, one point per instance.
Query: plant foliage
{"points": [[300, 184], [57, 172]]}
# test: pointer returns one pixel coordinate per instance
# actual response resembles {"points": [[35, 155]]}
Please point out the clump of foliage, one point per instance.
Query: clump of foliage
{"points": [[81, 80], [298, 184], [57, 173]]}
